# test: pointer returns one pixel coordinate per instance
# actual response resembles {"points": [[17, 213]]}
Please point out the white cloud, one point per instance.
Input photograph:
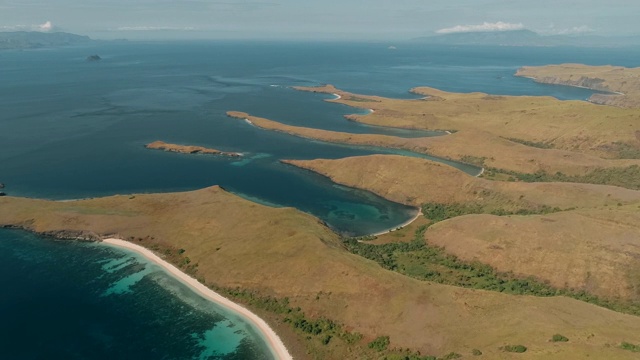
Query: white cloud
{"points": [[47, 26], [154, 28], [484, 27], [574, 30], [44, 27]]}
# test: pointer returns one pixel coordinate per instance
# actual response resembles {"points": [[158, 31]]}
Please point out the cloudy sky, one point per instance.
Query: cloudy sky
{"points": [[326, 19]]}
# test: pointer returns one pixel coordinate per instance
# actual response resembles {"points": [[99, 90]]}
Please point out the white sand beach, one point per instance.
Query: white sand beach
{"points": [[275, 343], [399, 226]]}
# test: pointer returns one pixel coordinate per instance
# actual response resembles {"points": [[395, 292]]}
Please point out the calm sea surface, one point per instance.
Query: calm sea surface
{"points": [[74, 129]]}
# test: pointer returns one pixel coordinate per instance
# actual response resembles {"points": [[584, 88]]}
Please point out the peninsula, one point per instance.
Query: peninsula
{"points": [[558, 218], [620, 86], [538, 254], [260, 256]]}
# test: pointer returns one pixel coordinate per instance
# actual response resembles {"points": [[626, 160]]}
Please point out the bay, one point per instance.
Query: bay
{"points": [[75, 129]]}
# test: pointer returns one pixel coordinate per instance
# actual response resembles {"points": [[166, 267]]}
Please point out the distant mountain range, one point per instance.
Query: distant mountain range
{"points": [[34, 40], [527, 38]]}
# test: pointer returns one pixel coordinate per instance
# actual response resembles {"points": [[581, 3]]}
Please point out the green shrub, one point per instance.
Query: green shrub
{"points": [[473, 160], [514, 348], [350, 337], [476, 352], [631, 347], [380, 343], [450, 356], [628, 177], [539, 145], [559, 338]]}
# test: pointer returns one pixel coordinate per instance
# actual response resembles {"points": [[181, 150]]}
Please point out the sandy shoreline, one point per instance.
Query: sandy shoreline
{"points": [[338, 97], [401, 225], [275, 343]]}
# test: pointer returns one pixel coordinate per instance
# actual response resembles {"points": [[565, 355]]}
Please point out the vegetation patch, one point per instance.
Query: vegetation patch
{"points": [[419, 260], [628, 177], [360, 99], [379, 344], [473, 160], [559, 338], [437, 212], [539, 145], [624, 150], [514, 348], [450, 356], [425, 262], [630, 347], [323, 333]]}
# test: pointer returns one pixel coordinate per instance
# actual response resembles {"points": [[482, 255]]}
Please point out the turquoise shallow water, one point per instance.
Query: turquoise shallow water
{"points": [[65, 300], [72, 129]]}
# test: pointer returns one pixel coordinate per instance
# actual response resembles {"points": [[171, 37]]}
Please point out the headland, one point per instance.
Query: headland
{"points": [[617, 85]]}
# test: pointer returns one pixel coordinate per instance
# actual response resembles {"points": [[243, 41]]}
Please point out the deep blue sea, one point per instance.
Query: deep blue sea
{"points": [[74, 129]]}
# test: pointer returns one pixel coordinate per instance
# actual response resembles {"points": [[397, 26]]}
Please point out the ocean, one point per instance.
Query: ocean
{"points": [[74, 129]]}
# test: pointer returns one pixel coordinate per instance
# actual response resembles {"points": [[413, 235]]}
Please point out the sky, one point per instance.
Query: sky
{"points": [[326, 19]]}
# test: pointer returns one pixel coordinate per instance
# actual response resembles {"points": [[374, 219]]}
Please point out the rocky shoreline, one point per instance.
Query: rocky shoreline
{"points": [[188, 149], [71, 235]]}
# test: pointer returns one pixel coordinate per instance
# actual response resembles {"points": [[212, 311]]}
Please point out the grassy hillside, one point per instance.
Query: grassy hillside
{"points": [[587, 240], [481, 148], [527, 261], [281, 253], [621, 85], [545, 122]]}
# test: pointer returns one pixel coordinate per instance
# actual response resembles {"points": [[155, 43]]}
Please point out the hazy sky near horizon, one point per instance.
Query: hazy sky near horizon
{"points": [[326, 19]]}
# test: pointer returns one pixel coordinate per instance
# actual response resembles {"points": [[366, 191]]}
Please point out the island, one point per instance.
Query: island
{"points": [[188, 149], [536, 253], [94, 58], [19, 40]]}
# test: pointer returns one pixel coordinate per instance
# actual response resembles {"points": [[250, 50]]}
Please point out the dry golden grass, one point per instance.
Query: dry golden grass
{"points": [[592, 250], [613, 79], [415, 181], [498, 152], [284, 252], [566, 125], [595, 248]]}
